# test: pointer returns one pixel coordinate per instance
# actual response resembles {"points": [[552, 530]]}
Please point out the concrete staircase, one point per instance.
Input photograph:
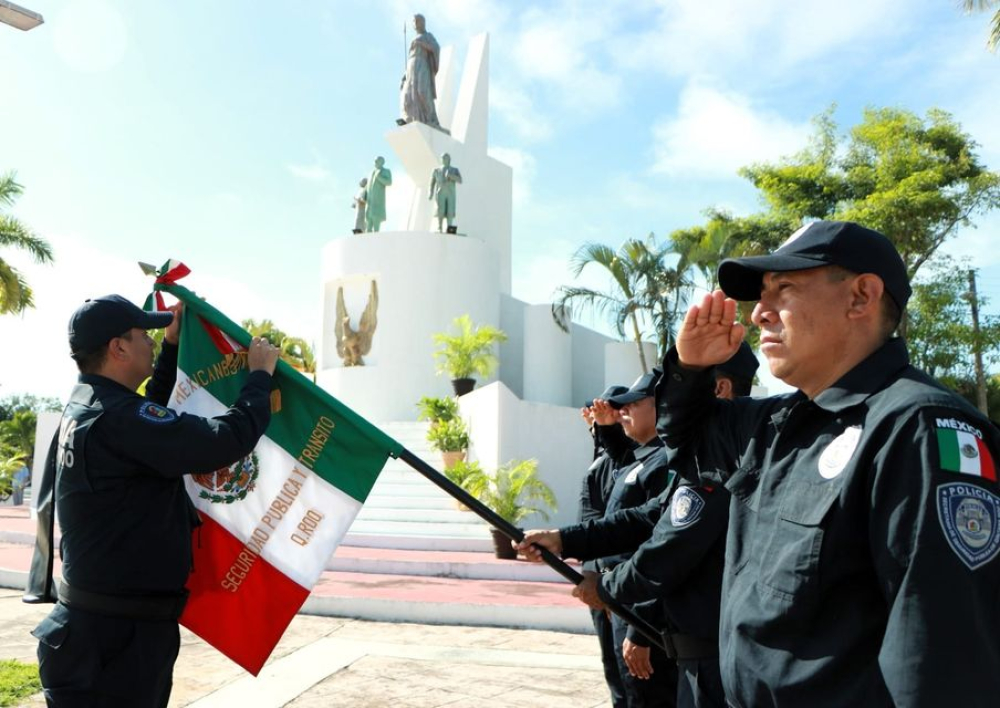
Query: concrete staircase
{"points": [[407, 511]]}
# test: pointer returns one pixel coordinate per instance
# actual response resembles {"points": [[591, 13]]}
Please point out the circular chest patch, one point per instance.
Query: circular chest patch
{"points": [[837, 454]]}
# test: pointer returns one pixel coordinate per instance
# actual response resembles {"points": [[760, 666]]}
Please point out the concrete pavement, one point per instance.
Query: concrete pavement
{"points": [[326, 661]]}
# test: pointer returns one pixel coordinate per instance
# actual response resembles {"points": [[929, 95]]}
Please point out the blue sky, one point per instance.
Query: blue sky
{"points": [[232, 134]]}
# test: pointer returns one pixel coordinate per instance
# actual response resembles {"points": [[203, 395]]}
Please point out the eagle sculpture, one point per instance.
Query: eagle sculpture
{"points": [[353, 344]]}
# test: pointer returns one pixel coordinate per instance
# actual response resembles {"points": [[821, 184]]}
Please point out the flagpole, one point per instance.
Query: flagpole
{"points": [[516, 534]]}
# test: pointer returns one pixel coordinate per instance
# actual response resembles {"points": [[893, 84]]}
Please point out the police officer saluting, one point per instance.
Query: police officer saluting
{"points": [[125, 516], [678, 541], [861, 562]]}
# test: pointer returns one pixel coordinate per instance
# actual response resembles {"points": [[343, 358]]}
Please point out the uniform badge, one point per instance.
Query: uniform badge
{"points": [[633, 474], [970, 519], [961, 449], [156, 414], [685, 508], [837, 454]]}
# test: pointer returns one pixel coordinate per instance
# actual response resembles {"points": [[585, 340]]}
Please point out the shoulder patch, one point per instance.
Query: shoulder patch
{"points": [[685, 507], [961, 449], [155, 413], [969, 517]]}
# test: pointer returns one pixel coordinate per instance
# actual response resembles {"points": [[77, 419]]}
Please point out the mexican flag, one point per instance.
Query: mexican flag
{"points": [[272, 519], [965, 452]]}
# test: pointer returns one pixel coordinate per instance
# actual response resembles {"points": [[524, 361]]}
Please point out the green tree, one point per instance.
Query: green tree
{"points": [[648, 285], [941, 338], [917, 180], [15, 294], [985, 5], [18, 434], [9, 405]]}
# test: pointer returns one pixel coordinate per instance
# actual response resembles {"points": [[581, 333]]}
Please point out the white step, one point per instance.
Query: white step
{"points": [[419, 543], [420, 528], [449, 516]]}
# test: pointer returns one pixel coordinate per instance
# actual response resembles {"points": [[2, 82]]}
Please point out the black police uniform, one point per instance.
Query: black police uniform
{"points": [[126, 524], [679, 558], [613, 450], [861, 567], [635, 485]]}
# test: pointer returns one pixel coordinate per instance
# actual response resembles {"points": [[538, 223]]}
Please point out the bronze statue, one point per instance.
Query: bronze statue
{"points": [[353, 344]]}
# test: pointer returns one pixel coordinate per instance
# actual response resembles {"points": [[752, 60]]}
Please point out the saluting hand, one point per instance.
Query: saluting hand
{"points": [[605, 414], [262, 355], [710, 333]]}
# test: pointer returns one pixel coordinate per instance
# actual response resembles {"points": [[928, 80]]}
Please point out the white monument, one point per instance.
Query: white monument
{"points": [[425, 279]]}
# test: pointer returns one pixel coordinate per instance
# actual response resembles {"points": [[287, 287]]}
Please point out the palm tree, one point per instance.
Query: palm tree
{"points": [[642, 286], [983, 5], [15, 294], [18, 434]]}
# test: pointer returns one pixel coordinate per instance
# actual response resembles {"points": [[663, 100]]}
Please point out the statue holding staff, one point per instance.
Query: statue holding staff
{"points": [[419, 91]]}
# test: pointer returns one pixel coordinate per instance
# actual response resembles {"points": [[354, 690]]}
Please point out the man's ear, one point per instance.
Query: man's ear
{"points": [[723, 387], [116, 350], [866, 296]]}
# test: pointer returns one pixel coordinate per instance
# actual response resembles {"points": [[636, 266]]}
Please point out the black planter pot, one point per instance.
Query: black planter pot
{"points": [[463, 386], [502, 545]]}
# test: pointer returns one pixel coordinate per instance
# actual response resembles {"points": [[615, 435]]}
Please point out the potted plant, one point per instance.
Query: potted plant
{"points": [[513, 492], [436, 409], [451, 439], [467, 353], [459, 474]]}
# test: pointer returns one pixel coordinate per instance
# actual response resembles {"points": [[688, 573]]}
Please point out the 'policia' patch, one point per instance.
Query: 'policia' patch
{"points": [[156, 414], [969, 517], [685, 508]]}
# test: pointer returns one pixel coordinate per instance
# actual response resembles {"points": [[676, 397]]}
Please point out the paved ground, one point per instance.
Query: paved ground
{"points": [[324, 661]]}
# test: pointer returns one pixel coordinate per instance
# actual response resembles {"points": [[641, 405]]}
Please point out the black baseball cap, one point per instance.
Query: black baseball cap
{"points": [[643, 387], [101, 319], [742, 365], [821, 243], [608, 393]]}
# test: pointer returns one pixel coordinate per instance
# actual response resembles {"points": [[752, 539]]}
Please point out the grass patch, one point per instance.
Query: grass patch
{"points": [[17, 681]]}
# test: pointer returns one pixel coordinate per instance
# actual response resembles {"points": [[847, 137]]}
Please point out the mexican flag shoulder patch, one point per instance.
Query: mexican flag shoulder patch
{"points": [[961, 449]]}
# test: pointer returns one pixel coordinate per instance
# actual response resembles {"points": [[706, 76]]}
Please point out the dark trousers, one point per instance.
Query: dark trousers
{"points": [[660, 689], [612, 672], [699, 684], [88, 660]]}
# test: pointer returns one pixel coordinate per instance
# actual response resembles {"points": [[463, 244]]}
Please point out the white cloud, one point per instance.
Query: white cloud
{"points": [[686, 37], [715, 133], [515, 107], [314, 172], [89, 35]]}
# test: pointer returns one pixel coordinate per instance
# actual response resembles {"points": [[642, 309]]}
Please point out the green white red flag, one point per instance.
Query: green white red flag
{"points": [[272, 520]]}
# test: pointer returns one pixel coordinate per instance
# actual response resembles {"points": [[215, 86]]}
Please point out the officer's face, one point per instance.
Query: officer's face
{"points": [[140, 350], [804, 324], [639, 419]]}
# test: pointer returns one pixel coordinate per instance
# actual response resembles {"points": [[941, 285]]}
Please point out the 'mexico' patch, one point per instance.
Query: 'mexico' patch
{"points": [[970, 519], [961, 449]]}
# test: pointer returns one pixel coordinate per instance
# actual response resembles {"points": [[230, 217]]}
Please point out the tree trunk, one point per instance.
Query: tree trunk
{"points": [[638, 344]]}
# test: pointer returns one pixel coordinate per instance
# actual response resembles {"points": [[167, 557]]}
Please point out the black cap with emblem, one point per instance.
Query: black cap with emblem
{"points": [[821, 243], [101, 319]]}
